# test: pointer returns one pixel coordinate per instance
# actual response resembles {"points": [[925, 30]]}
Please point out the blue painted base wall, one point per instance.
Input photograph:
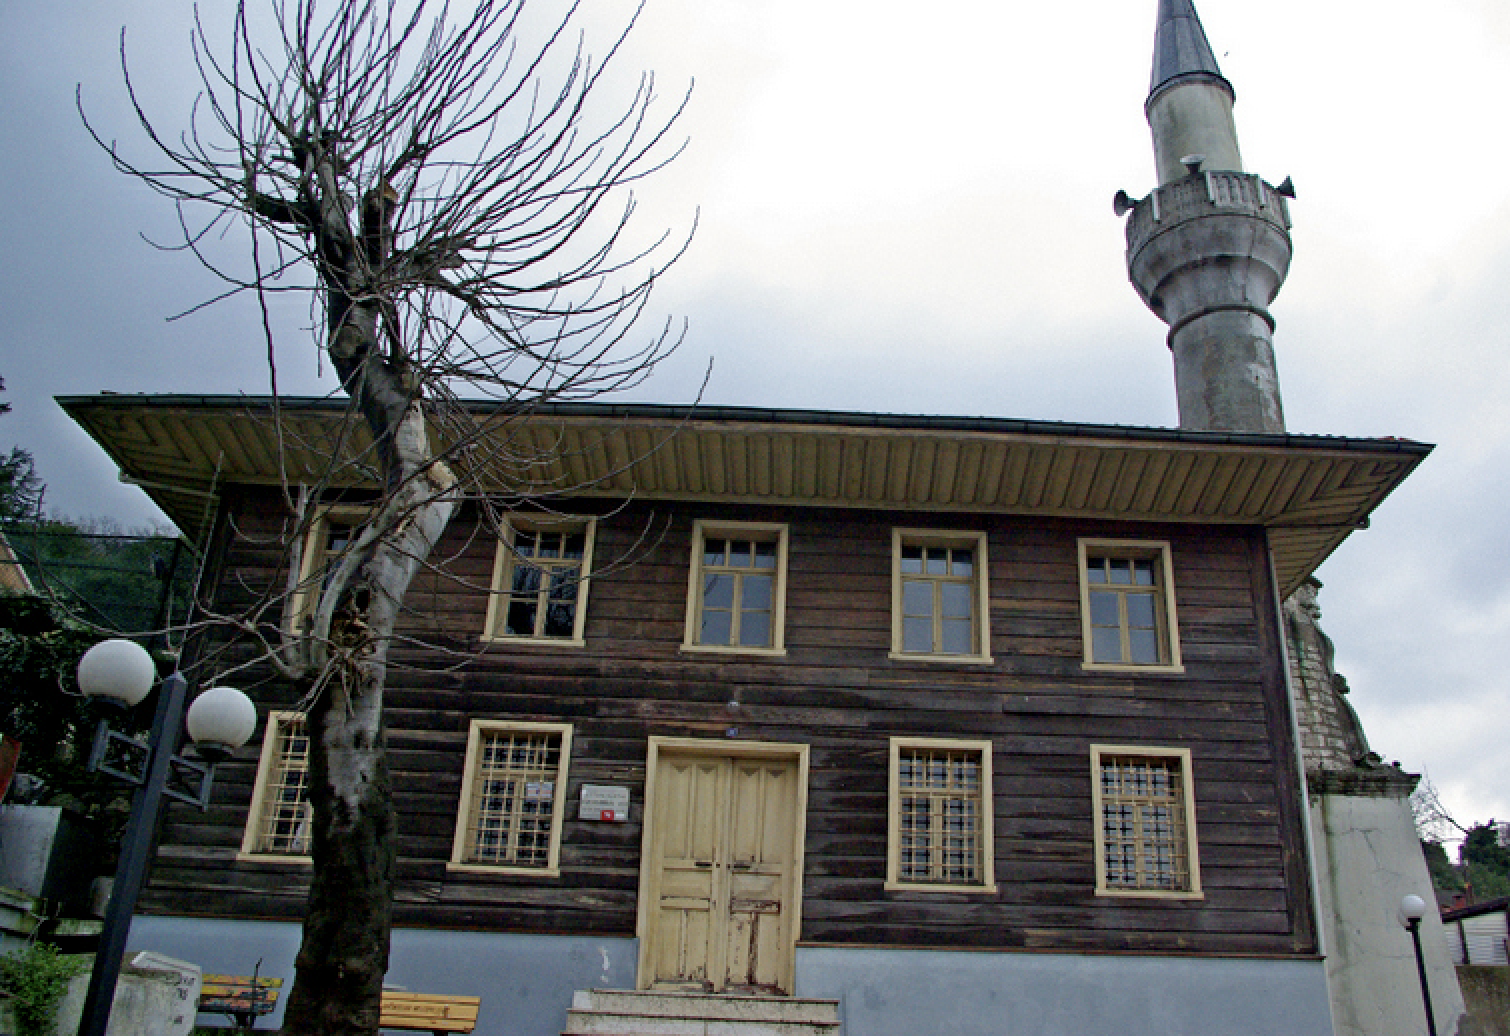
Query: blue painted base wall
{"points": [[526, 983], [925, 992]]}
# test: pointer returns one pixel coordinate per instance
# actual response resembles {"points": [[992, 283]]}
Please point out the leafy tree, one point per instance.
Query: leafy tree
{"points": [[444, 184], [40, 647], [1485, 861], [1485, 882], [115, 581], [1444, 876], [20, 485], [1484, 845]]}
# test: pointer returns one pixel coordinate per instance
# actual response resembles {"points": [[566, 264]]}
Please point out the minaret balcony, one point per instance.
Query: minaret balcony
{"points": [[1213, 192], [1215, 239]]}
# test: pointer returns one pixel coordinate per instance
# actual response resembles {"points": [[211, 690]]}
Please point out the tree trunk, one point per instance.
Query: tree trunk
{"points": [[344, 954]]}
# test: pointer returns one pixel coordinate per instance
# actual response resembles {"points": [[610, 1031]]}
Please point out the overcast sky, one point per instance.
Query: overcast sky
{"points": [[912, 213]]}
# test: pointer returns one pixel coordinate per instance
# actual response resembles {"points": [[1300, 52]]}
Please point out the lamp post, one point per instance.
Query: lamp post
{"points": [[222, 719], [1412, 909]]}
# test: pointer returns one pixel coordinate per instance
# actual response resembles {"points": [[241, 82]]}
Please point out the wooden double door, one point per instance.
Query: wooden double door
{"points": [[721, 873]]}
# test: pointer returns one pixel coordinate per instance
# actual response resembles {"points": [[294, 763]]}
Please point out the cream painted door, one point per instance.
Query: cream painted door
{"points": [[725, 836]]}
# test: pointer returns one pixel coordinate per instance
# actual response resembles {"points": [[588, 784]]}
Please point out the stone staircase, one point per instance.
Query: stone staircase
{"points": [[612, 1012]]}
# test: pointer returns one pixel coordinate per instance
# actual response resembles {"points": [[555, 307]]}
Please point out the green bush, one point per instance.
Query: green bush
{"points": [[37, 977]]}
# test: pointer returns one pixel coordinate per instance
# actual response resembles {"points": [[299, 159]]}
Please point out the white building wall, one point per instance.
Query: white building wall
{"points": [[1372, 858]]}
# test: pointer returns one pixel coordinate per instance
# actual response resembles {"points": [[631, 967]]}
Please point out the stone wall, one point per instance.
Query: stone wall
{"points": [[1486, 994], [1331, 738]]}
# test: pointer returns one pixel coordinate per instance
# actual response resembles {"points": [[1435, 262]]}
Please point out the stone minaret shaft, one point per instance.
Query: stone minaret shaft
{"points": [[1209, 247]]}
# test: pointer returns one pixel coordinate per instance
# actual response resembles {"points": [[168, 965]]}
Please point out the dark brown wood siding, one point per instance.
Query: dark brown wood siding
{"points": [[837, 691]]}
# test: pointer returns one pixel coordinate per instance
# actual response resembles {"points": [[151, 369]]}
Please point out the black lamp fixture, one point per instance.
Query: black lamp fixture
{"points": [[1412, 909], [120, 673]]}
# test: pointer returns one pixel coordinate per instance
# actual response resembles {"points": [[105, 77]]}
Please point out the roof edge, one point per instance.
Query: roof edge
{"points": [[768, 415]]}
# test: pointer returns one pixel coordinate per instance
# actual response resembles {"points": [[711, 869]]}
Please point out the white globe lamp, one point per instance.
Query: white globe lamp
{"points": [[221, 720], [118, 671]]}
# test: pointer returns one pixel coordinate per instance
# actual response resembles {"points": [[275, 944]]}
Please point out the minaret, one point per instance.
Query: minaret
{"points": [[1209, 248]]}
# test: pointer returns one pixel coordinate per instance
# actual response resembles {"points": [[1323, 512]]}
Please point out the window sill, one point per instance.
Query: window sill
{"points": [[1117, 667], [493, 640], [1148, 894], [720, 649], [916, 656], [517, 872], [958, 890], [304, 861]]}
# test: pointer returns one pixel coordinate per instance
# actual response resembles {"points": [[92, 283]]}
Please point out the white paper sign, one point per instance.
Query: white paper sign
{"points": [[608, 802]]}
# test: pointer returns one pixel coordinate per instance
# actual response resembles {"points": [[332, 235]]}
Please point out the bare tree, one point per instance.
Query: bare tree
{"points": [[439, 182], [1433, 822]]}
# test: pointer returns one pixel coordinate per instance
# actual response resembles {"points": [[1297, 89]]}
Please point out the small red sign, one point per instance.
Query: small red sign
{"points": [[606, 814]]}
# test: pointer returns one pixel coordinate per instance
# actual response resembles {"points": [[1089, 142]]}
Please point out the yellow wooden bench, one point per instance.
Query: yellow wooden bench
{"points": [[436, 1013], [244, 998]]}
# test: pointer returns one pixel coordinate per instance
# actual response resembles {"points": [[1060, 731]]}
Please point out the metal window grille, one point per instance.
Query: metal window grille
{"points": [[284, 824], [1143, 824], [938, 600], [738, 592], [513, 798], [940, 830]]}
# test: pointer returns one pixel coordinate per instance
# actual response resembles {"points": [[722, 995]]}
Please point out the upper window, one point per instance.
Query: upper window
{"points": [[513, 798], [939, 600], [1127, 609], [277, 825], [329, 537], [1145, 828], [736, 594], [540, 582], [940, 816]]}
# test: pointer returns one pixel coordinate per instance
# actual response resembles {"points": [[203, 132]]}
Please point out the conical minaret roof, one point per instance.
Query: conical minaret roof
{"points": [[1180, 48]]}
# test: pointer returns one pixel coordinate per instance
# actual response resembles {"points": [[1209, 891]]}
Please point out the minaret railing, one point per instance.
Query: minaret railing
{"points": [[1206, 193]]}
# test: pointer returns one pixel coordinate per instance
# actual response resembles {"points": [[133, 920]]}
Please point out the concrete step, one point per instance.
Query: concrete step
{"points": [[707, 1005], [600, 1012], [578, 1024]]}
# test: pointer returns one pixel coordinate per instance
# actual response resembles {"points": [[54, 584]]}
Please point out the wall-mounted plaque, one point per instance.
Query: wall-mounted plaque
{"points": [[608, 802]]}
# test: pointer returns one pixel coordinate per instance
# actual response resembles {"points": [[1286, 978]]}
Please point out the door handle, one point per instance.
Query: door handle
{"points": [[702, 863]]}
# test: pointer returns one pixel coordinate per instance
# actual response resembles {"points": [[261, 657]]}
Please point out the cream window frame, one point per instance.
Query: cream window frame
{"points": [[980, 598], [269, 767], [1167, 615], [314, 557], [506, 559], [1187, 791], [763, 532], [894, 881], [461, 843]]}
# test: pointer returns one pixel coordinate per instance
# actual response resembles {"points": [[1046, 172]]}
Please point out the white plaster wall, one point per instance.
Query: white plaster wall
{"points": [[1372, 856], [525, 981], [895, 992]]}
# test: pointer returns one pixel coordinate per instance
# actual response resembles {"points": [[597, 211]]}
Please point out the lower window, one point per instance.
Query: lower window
{"points": [[278, 824], [513, 797], [940, 816], [1145, 828]]}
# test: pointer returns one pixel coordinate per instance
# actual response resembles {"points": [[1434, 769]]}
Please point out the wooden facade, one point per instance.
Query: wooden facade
{"points": [[1244, 519], [837, 691]]}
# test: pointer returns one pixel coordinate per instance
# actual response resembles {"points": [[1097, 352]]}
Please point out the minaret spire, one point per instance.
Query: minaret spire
{"points": [[1189, 104], [1180, 47], [1209, 248]]}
